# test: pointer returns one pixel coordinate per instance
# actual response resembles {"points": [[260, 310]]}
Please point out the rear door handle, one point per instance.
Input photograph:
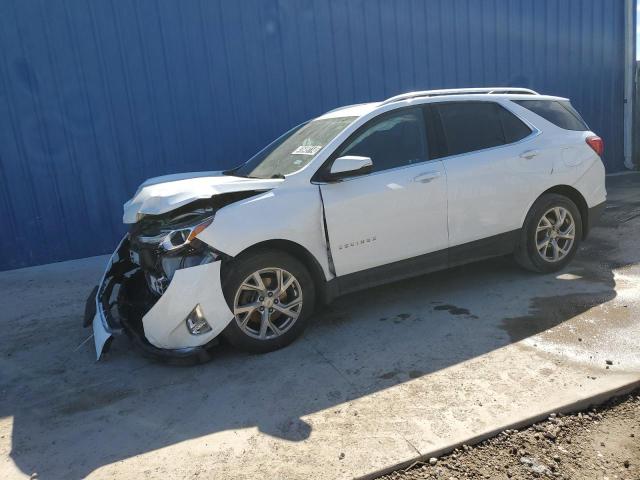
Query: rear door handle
{"points": [[529, 154], [426, 177]]}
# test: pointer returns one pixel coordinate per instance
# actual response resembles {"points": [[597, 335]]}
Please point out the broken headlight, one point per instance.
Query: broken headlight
{"points": [[179, 238], [162, 246], [169, 240]]}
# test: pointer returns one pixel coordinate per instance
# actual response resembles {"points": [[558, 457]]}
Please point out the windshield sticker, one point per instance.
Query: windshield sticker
{"points": [[307, 150]]}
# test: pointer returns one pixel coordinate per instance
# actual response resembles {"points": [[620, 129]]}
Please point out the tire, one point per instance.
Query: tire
{"points": [[547, 206], [242, 292]]}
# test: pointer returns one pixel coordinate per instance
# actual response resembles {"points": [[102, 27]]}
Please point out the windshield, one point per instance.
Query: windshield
{"points": [[293, 150]]}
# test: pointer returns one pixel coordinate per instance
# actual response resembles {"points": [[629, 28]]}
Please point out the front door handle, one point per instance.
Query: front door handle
{"points": [[426, 177], [529, 154]]}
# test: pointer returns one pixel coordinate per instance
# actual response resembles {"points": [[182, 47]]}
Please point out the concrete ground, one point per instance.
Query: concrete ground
{"points": [[384, 376]]}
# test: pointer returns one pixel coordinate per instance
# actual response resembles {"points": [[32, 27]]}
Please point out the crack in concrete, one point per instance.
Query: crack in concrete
{"points": [[344, 377]]}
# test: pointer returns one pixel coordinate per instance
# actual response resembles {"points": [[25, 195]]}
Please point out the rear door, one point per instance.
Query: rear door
{"points": [[494, 170], [396, 212]]}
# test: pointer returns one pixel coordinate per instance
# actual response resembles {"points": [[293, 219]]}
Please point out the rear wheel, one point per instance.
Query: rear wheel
{"points": [[550, 235], [272, 296]]}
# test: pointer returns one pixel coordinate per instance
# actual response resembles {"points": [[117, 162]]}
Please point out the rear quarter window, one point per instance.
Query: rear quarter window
{"points": [[513, 128], [558, 112]]}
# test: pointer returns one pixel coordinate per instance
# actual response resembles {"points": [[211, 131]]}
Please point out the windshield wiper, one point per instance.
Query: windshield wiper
{"points": [[275, 175], [231, 172]]}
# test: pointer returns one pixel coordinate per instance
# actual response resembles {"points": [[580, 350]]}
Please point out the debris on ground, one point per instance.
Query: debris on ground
{"points": [[600, 443]]}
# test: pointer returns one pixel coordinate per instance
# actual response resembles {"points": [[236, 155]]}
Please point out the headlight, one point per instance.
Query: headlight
{"points": [[179, 238]]}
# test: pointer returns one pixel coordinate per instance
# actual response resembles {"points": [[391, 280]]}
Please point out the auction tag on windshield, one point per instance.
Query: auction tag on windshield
{"points": [[307, 150]]}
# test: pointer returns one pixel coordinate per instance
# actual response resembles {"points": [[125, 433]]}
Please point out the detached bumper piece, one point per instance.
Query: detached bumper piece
{"points": [[180, 323], [99, 306], [135, 302]]}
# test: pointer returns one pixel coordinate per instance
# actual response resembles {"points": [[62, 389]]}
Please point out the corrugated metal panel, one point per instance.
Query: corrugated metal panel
{"points": [[97, 96]]}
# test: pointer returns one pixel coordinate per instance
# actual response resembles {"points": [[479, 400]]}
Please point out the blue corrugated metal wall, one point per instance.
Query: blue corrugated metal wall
{"points": [[95, 96]]}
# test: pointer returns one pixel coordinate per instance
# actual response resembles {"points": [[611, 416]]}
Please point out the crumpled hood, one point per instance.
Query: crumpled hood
{"points": [[162, 194]]}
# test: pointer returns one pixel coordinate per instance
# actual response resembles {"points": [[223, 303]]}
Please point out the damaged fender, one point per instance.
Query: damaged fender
{"points": [[164, 325]]}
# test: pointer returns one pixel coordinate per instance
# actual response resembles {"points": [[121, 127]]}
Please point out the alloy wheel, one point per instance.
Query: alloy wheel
{"points": [[555, 234], [267, 303]]}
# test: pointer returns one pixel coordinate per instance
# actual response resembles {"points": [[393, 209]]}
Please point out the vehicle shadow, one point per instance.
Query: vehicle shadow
{"points": [[71, 416]]}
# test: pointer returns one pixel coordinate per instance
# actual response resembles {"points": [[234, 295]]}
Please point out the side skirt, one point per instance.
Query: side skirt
{"points": [[391, 272], [493, 246]]}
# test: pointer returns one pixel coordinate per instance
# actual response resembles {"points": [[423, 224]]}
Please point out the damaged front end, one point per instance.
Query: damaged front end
{"points": [[162, 287]]}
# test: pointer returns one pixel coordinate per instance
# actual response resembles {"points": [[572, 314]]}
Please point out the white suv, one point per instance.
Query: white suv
{"points": [[360, 196]]}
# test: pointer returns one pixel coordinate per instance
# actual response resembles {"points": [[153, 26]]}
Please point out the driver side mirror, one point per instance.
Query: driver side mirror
{"points": [[349, 166]]}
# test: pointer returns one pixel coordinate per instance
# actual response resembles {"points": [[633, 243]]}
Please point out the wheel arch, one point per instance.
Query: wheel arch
{"points": [[576, 197], [301, 254]]}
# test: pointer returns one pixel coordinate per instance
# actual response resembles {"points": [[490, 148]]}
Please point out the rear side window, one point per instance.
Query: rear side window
{"points": [[471, 126], [560, 113]]}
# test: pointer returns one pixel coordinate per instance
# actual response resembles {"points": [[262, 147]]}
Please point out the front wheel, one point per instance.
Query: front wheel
{"points": [[272, 296], [550, 235]]}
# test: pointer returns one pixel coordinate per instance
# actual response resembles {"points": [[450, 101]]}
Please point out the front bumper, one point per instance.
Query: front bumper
{"points": [[98, 310], [123, 303]]}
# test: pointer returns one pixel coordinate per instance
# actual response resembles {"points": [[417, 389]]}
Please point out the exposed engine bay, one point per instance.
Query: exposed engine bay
{"points": [[160, 246]]}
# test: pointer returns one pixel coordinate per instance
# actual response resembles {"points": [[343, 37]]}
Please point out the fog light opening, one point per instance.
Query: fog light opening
{"points": [[196, 323]]}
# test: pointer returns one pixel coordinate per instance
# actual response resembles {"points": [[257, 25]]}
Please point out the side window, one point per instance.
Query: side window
{"points": [[471, 126], [514, 128], [560, 113], [393, 140]]}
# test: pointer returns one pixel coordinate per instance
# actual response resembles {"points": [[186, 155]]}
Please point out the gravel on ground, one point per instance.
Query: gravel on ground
{"points": [[601, 443]]}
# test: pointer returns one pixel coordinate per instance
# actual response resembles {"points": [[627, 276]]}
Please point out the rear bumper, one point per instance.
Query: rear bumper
{"points": [[122, 303], [593, 219]]}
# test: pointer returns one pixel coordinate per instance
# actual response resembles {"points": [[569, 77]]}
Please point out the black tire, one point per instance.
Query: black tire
{"points": [[526, 253], [244, 266]]}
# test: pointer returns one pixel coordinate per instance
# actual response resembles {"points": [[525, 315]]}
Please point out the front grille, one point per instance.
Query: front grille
{"points": [[147, 256]]}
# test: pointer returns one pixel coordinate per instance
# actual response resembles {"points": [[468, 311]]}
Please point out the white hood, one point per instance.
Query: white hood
{"points": [[162, 194]]}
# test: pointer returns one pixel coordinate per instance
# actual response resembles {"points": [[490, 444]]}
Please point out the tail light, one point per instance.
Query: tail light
{"points": [[596, 143]]}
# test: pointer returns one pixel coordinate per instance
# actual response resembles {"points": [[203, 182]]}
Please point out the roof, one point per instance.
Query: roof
{"points": [[514, 93]]}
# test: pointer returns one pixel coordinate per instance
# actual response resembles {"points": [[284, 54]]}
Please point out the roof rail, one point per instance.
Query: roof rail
{"points": [[459, 91]]}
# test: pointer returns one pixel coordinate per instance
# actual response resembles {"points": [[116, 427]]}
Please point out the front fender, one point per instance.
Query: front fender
{"points": [[285, 213]]}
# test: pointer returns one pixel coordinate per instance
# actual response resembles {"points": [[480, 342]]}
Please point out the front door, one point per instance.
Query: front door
{"points": [[396, 212]]}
